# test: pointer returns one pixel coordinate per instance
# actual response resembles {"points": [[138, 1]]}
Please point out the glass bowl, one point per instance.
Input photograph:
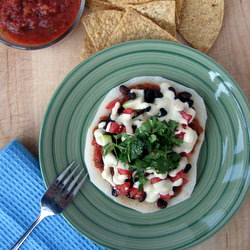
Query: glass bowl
{"points": [[7, 40]]}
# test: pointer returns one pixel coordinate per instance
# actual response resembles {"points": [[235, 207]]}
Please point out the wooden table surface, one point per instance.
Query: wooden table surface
{"points": [[29, 78]]}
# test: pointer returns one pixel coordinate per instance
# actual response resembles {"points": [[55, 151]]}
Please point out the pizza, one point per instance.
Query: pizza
{"points": [[144, 141]]}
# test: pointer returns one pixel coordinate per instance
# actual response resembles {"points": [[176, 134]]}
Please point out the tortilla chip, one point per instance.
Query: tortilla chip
{"points": [[88, 47], [124, 2], [161, 12], [178, 5], [135, 26], [100, 25], [94, 5], [200, 22]]}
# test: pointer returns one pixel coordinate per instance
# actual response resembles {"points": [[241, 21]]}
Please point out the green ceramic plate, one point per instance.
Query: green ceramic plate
{"points": [[223, 170]]}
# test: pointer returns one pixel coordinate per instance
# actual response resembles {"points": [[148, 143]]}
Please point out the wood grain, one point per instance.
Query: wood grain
{"points": [[29, 78]]}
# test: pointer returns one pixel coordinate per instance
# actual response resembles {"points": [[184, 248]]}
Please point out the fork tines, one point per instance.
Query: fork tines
{"points": [[64, 183]]}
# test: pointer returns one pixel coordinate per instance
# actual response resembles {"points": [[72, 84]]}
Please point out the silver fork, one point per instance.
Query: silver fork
{"points": [[56, 198]]}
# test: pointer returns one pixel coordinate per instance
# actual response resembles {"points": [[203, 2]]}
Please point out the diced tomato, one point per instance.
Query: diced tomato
{"points": [[125, 172], [97, 155], [115, 128], [103, 118], [185, 116], [184, 181], [112, 171], [180, 174], [155, 180], [123, 189], [186, 154], [128, 111], [112, 104], [180, 135], [184, 126], [136, 194], [139, 195], [195, 125], [165, 197], [133, 191]]}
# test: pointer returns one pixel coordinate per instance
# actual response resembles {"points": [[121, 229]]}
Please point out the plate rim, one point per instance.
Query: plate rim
{"points": [[117, 46]]}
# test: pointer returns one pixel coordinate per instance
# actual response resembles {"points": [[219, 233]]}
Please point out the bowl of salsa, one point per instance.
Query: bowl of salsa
{"points": [[37, 24]]}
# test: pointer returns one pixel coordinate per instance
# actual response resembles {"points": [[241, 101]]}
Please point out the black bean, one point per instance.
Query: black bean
{"points": [[120, 110], [184, 95], [175, 189], [147, 109], [163, 112], [172, 89], [114, 192], [151, 94], [143, 197], [158, 93], [106, 123], [124, 90], [132, 95], [161, 203], [130, 181], [187, 168], [190, 103], [139, 112]]}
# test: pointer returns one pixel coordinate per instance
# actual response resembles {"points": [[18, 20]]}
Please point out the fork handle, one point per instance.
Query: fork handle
{"points": [[27, 233]]}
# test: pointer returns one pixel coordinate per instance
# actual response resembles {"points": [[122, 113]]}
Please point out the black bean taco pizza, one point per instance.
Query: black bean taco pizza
{"points": [[143, 144]]}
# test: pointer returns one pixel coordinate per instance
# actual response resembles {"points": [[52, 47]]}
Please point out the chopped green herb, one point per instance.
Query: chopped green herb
{"points": [[151, 147]]}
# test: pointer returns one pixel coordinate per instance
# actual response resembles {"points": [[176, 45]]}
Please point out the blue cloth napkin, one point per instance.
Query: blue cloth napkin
{"points": [[21, 187]]}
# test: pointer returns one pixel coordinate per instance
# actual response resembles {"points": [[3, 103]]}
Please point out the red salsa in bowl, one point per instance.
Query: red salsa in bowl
{"points": [[37, 23]]}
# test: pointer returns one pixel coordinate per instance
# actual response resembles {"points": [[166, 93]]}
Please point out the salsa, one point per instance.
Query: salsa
{"points": [[36, 22]]}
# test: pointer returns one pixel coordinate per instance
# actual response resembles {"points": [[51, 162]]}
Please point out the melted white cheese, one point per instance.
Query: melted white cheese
{"points": [[182, 164], [101, 124], [189, 139], [136, 184], [168, 102], [114, 112], [111, 162], [138, 102], [137, 121], [178, 183], [126, 120], [153, 174], [101, 138], [119, 179], [154, 190], [173, 107]]}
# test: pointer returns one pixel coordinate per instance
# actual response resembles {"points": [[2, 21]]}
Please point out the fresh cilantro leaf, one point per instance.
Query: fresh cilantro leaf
{"points": [[108, 148], [151, 147], [176, 141], [136, 149], [152, 138]]}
